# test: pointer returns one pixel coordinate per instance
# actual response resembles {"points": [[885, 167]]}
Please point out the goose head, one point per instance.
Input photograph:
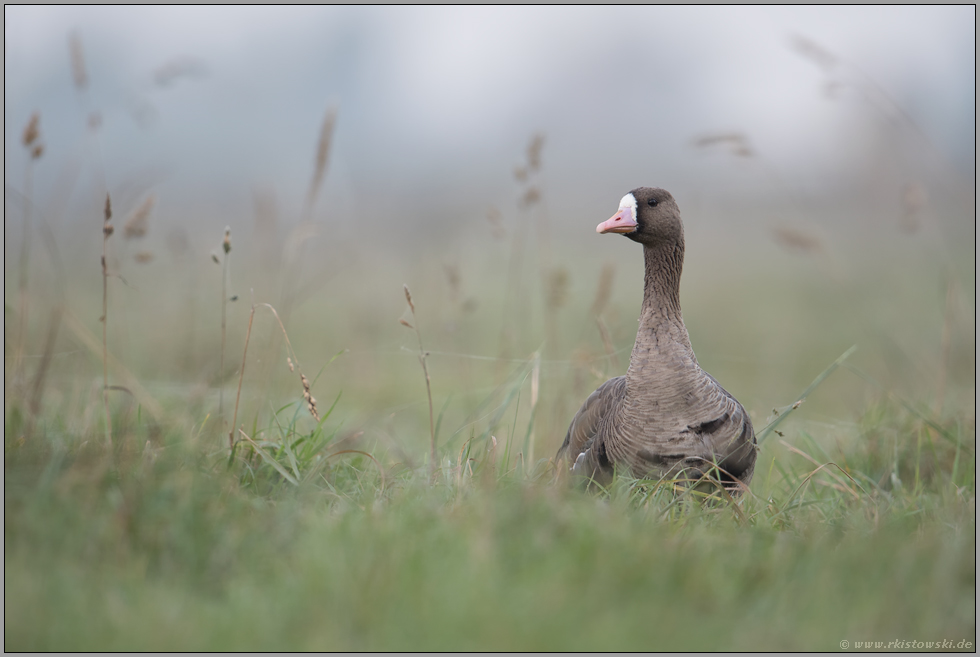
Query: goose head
{"points": [[648, 215]]}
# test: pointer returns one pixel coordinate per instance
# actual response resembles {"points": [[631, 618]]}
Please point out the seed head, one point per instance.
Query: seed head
{"points": [[531, 196], [557, 288], [310, 401], [226, 245], [408, 297], [31, 132], [77, 61], [534, 152], [139, 222]]}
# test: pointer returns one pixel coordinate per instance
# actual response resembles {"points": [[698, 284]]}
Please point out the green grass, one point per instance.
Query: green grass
{"points": [[168, 547]]}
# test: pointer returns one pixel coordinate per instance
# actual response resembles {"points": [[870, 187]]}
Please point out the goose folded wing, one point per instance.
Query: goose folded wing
{"points": [[586, 422], [725, 427]]}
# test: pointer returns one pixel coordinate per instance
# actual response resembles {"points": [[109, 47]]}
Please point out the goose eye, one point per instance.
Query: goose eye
{"points": [[652, 202]]}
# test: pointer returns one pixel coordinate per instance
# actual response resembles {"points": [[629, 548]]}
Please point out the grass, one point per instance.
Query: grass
{"points": [[288, 550]]}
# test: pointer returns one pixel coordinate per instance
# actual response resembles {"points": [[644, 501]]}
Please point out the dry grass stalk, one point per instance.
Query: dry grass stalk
{"points": [[527, 455], [54, 324], [226, 247], [77, 55], [37, 389], [177, 68], [557, 291], [452, 277], [428, 384], [604, 290], [322, 154], [139, 221], [607, 342], [496, 225], [945, 346], [310, 400], [796, 239], [534, 152], [531, 196], [291, 360], [515, 313], [241, 377], [736, 141], [107, 230], [31, 130], [31, 141], [814, 52]]}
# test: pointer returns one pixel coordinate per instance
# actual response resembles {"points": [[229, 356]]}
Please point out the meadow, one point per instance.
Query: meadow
{"points": [[257, 440]]}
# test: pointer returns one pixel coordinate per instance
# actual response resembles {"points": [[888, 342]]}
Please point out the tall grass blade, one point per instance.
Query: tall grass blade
{"points": [[786, 410]]}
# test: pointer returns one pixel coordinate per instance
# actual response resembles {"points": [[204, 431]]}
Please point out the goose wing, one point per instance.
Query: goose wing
{"points": [[585, 424], [726, 429]]}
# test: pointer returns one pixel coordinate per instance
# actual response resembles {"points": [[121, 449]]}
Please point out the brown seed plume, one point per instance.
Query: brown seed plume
{"points": [[534, 152], [408, 297], [452, 277], [814, 52], [322, 153], [107, 227], [531, 196], [31, 131], [177, 68], [557, 288], [736, 141], [139, 222], [796, 239], [310, 401], [78, 73]]}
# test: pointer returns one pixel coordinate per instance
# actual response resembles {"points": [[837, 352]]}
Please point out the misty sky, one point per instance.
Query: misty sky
{"points": [[440, 102]]}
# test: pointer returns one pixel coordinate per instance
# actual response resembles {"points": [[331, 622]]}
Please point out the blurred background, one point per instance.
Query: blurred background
{"points": [[823, 159]]}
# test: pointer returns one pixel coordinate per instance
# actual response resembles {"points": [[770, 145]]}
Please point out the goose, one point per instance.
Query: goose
{"points": [[666, 417]]}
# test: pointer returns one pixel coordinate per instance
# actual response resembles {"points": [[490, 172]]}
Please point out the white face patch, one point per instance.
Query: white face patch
{"points": [[628, 201]]}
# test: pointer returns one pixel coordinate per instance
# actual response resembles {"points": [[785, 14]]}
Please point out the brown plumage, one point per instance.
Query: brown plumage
{"points": [[666, 417]]}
